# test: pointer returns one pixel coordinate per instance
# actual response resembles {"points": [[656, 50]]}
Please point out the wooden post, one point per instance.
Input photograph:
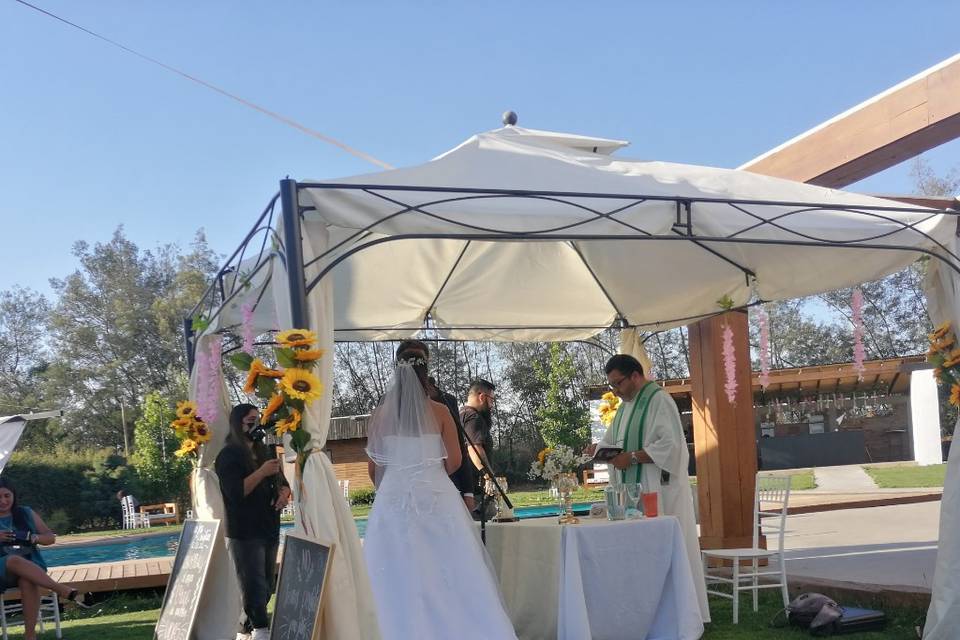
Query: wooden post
{"points": [[724, 433]]}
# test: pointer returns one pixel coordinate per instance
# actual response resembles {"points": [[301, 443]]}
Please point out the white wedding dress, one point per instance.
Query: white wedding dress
{"points": [[429, 571]]}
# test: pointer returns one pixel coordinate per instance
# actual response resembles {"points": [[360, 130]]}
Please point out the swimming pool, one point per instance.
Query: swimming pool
{"points": [[156, 546]]}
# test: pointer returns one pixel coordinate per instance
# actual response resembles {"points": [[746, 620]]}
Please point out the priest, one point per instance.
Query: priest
{"points": [[647, 427]]}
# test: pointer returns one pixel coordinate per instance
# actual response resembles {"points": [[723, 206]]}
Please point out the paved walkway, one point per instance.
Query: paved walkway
{"points": [[846, 479], [887, 546]]}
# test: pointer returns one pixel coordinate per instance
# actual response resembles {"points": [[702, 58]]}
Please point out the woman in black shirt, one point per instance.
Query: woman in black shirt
{"points": [[254, 492]]}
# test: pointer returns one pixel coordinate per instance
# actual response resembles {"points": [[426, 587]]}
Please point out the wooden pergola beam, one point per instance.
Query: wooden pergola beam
{"points": [[916, 115]]}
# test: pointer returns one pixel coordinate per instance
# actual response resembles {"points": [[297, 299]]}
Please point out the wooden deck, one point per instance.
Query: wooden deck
{"points": [[115, 576]]}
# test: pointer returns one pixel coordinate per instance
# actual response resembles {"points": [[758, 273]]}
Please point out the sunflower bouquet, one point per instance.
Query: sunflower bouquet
{"points": [[609, 403], [288, 389], [944, 353], [190, 430]]}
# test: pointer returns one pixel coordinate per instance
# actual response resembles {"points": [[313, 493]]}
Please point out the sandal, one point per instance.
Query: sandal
{"points": [[79, 599]]}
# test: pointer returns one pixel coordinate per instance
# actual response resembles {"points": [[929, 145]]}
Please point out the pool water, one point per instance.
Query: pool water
{"points": [[157, 546]]}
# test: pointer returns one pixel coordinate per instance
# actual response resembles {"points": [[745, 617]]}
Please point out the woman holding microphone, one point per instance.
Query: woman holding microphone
{"points": [[254, 492]]}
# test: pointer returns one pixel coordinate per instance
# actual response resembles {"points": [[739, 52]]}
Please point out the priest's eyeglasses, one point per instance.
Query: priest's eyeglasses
{"points": [[616, 385]]}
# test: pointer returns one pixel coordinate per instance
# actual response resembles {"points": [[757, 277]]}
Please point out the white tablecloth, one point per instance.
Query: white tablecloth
{"points": [[598, 579]]}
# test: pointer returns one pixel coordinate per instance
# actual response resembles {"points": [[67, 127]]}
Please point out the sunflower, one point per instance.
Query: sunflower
{"points": [[181, 425], [308, 355], [257, 368], [955, 395], [186, 409], [543, 454], [940, 331], [952, 359], [276, 401], [296, 338], [186, 448], [301, 384], [941, 344], [290, 423], [201, 432]]}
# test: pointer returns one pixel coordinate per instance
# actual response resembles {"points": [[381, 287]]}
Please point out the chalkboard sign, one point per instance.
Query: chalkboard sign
{"points": [[187, 576], [303, 574]]}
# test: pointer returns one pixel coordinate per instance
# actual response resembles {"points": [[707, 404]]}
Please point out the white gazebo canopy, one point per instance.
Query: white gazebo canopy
{"points": [[518, 234]]}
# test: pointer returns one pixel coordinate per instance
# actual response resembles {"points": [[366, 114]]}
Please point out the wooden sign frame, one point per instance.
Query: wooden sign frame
{"points": [[331, 548], [174, 573]]}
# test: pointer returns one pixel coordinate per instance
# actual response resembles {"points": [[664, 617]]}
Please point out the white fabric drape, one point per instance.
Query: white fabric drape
{"points": [[943, 616], [631, 343], [220, 603], [11, 428], [323, 514]]}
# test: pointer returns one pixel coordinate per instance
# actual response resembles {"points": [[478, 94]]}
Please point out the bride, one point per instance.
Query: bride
{"points": [[429, 572]]}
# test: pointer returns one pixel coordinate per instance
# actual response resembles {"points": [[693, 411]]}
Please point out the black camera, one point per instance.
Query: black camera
{"points": [[257, 434], [21, 538]]}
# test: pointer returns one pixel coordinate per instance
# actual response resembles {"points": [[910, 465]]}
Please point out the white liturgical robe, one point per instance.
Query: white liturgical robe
{"points": [[664, 442]]}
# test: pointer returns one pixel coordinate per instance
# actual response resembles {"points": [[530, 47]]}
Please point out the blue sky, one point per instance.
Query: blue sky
{"points": [[92, 137]]}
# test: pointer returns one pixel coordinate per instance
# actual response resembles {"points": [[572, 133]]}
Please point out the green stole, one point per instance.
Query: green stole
{"points": [[633, 439]]}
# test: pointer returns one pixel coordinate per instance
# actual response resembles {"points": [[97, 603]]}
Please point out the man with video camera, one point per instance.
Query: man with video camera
{"points": [[254, 492]]}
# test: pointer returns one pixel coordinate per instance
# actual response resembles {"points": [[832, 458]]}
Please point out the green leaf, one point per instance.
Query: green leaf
{"points": [[285, 357], [725, 303], [299, 439], [199, 324], [266, 387], [241, 360]]}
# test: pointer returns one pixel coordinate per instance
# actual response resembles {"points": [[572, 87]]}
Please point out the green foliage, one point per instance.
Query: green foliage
{"points": [[564, 417], [162, 475], [75, 488], [241, 360], [364, 495]]}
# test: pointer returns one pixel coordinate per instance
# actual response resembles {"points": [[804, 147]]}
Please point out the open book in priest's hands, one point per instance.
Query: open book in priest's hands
{"points": [[606, 452]]}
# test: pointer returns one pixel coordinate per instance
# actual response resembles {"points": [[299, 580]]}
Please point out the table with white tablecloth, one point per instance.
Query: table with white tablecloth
{"points": [[597, 579]]}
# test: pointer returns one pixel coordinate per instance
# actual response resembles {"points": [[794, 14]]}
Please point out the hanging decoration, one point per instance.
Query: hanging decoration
{"points": [[246, 327], [729, 365], [764, 320], [859, 353], [208, 363]]}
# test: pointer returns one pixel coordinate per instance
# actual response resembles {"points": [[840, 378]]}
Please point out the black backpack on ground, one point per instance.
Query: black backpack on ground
{"points": [[824, 617]]}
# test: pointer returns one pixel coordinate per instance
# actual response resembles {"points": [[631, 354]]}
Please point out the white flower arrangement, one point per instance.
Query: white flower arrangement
{"points": [[551, 462], [411, 362]]}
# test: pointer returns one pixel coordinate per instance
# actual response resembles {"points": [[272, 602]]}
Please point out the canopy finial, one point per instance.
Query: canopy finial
{"points": [[509, 118]]}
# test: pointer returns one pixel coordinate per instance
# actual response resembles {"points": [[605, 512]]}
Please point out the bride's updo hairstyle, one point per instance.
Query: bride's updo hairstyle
{"points": [[415, 357]]}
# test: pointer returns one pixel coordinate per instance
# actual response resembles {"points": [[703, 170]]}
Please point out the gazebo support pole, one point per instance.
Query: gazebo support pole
{"points": [[293, 252], [724, 433]]}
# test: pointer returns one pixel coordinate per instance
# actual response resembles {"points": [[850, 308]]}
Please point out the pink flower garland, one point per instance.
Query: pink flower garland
{"points": [[208, 398], [859, 353], [729, 365], [246, 329], [764, 348]]}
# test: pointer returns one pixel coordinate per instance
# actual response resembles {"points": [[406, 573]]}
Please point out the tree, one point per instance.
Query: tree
{"points": [[116, 332], [162, 476], [24, 359], [564, 417]]}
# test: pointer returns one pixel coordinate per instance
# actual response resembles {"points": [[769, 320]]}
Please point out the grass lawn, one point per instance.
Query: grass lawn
{"points": [[908, 477], [802, 480], [133, 618]]}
